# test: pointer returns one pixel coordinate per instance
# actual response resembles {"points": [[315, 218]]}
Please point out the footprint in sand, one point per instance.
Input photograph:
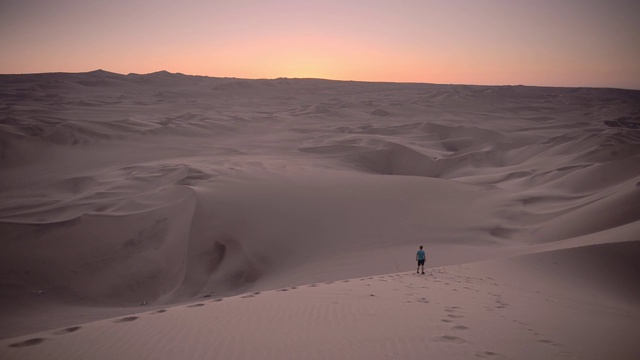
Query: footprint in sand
{"points": [[282, 290], [452, 339], [423, 300], [217, 300], [195, 305], [549, 342], [459, 327], [454, 316], [250, 295], [159, 311], [446, 320], [501, 304], [313, 285], [68, 330], [30, 342], [126, 319], [487, 355]]}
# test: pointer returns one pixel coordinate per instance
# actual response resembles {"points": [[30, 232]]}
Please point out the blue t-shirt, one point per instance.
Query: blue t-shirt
{"points": [[421, 255]]}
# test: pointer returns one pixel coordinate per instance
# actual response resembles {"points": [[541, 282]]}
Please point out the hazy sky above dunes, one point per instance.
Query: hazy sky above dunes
{"points": [[541, 42]]}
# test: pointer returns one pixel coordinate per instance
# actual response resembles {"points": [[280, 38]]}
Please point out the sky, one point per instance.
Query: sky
{"points": [[593, 43]]}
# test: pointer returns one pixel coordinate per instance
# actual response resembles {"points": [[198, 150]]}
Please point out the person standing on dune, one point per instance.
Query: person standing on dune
{"points": [[420, 257]]}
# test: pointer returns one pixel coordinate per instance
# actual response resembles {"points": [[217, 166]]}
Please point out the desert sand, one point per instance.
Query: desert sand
{"points": [[166, 216]]}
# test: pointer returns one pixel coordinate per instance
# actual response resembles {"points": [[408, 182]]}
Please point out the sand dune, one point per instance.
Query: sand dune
{"points": [[464, 311], [166, 189]]}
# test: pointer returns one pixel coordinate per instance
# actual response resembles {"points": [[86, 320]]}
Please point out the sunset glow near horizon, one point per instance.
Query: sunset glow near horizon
{"points": [[592, 43]]}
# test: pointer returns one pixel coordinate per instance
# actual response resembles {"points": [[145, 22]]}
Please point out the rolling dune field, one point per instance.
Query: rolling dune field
{"points": [[168, 216]]}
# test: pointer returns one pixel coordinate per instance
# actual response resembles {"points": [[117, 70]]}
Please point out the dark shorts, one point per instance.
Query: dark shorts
{"points": [[421, 262]]}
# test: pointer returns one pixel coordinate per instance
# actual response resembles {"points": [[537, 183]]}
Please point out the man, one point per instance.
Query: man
{"points": [[420, 257]]}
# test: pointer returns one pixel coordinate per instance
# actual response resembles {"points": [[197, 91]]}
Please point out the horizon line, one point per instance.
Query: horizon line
{"points": [[318, 78]]}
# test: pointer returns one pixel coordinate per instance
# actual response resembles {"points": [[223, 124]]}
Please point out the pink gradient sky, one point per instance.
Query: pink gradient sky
{"points": [[543, 42]]}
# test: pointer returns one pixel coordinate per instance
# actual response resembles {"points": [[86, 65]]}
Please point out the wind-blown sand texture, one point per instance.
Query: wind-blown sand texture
{"points": [[166, 216]]}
